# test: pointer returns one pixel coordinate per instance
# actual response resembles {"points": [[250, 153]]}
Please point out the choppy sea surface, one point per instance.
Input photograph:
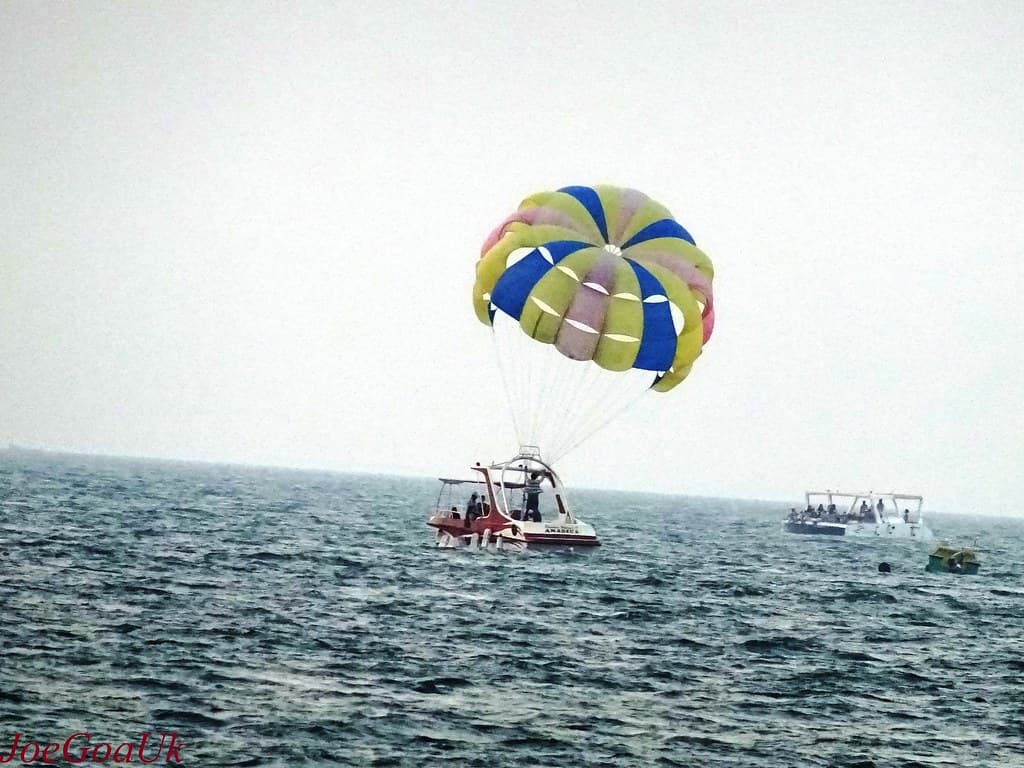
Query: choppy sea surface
{"points": [[288, 618]]}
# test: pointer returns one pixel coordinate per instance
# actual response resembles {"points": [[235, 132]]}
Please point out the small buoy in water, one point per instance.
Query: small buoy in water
{"points": [[884, 567]]}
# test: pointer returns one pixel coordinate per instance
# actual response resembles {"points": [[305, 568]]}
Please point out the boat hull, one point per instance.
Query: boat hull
{"points": [[814, 528], [576, 534], [898, 530], [561, 540], [895, 530]]}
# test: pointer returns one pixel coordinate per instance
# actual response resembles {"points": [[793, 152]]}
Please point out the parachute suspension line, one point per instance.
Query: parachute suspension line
{"points": [[574, 387], [552, 398], [525, 383], [538, 398], [560, 400], [507, 386], [511, 377], [520, 383], [600, 419], [556, 403], [607, 394], [557, 400], [532, 399], [577, 394]]}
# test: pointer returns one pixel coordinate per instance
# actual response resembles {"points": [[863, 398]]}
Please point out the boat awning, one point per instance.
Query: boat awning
{"points": [[866, 494], [457, 481]]}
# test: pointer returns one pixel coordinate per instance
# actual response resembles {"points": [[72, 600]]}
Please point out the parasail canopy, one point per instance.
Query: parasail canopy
{"points": [[595, 294]]}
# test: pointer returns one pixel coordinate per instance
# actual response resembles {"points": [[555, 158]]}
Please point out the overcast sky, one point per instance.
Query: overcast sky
{"points": [[247, 232]]}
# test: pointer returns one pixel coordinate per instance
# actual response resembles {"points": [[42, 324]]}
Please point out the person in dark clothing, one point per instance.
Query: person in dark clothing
{"points": [[533, 492]]}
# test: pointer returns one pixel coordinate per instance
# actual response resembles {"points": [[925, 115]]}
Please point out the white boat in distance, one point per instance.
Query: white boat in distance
{"points": [[839, 513]]}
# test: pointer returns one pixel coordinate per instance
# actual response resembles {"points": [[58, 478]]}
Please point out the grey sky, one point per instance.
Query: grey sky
{"points": [[247, 232]]}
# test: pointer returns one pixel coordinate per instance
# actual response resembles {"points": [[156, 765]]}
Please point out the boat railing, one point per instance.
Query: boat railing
{"points": [[459, 511], [452, 511]]}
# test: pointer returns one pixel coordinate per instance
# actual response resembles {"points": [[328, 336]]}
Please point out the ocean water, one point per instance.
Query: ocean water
{"points": [[286, 618]]}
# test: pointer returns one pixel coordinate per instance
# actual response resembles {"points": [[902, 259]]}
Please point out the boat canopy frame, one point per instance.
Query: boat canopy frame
{"points": [[911, 501], [528, 462]]}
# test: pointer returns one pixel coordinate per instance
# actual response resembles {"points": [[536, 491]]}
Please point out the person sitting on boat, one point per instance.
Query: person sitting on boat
{"points": [[820, 511], [455, 513], [809, 512]]}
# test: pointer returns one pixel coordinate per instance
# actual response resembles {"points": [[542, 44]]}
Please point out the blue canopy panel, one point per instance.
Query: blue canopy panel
{"points": [[661, 228], [515, 284], [659, 339], [589, 199]]}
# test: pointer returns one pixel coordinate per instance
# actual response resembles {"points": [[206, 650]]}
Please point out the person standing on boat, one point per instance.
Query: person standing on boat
{"points": [[533, 497], [471, 506]]}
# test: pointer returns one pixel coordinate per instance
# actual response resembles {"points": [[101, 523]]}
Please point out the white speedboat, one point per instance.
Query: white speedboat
{"points": [[839, 513], [511, 504]]}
